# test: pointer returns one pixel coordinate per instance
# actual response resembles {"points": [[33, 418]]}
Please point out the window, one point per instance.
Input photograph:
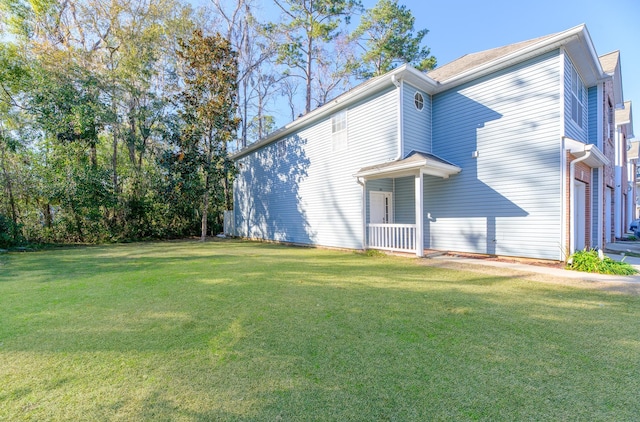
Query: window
{"points": [[610, 121], [339, 131], [282, 148], [418, 100], [578, 98]]}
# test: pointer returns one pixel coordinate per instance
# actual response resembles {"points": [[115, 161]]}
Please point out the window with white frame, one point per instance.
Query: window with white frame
{"points": [[282, 148], [418, 100], [578, 98], [610, 121], [339, 131]]}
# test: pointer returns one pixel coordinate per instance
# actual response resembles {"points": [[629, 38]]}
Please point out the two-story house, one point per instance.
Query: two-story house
{"points": [[499, 152]]}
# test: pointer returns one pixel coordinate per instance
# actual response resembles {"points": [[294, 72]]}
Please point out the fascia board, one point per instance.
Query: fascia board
{"points": [[350, 97], [578, 33]]}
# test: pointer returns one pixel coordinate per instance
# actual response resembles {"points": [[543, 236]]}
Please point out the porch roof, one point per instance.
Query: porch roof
{"points": [[415, 163], [595, 157]]}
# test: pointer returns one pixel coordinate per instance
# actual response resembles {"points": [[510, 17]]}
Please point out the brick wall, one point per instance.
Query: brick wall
{"points": [[583, 174]]}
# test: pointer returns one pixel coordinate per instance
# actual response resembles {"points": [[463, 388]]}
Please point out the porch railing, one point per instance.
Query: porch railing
{"points": [[392, 237]]}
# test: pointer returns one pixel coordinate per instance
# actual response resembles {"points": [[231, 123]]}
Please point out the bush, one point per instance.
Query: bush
{"points": [[9, 233], [593, 261]]}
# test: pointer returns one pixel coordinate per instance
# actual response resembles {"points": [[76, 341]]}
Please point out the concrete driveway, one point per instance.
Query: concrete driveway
{"points": [[554, 274], [621, 251]]}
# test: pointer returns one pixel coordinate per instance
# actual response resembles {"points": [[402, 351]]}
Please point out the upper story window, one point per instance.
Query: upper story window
{"points": [[578, 98], [339, 131], [418, 100], [282, 148], [610, 121]]}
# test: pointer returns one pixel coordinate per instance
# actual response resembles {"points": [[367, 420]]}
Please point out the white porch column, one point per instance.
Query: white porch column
{"points": [[419, 215]]}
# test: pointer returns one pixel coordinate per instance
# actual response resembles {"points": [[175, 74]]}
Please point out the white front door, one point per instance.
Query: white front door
{"points": [[579, 214], [381, 207]]}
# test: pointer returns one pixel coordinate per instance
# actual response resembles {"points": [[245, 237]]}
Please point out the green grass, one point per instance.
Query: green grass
{"points": [[243, 331], [590, 261]]}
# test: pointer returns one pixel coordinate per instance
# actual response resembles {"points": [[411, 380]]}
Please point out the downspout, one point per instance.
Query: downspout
{"points": [[363, 211], [572, 176], [398, 85]]}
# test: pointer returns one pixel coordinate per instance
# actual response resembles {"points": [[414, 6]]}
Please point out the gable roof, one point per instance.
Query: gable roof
{"points": [[576, 41], [473, 60], [610, 61], [611, 65], [365, 89], [624, 117], [414, 162]]}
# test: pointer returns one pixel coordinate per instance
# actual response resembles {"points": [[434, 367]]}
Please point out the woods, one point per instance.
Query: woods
{"points": [[117, 118]]}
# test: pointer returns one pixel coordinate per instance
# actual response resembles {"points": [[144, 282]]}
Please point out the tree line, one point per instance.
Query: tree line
{"points": [[117, 117]]}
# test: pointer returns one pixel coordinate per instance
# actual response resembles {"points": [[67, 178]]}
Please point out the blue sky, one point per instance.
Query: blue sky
{"points": [[458, 27]]}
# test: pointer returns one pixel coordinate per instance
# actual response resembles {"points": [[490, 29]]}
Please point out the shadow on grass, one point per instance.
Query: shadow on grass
{"points": [[242, 331]]}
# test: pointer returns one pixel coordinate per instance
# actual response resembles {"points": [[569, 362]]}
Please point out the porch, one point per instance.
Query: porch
{"points": [[393, 198], [392, 237]]}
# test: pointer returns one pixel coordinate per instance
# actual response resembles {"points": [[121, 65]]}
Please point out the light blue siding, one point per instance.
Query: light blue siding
{"points": [[595, 206], [416, 123], [593, 116], [507, 201], [310, 196], [571, 129], [403, 191], [405, 203]]}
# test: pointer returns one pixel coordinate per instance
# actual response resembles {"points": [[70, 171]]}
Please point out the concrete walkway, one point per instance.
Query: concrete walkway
{"points": [[619, 251], [616, 251]]}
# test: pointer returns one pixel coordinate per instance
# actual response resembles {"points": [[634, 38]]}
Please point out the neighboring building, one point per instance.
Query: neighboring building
{"points": [[626, 183], [500, 152], [633, 157], [618, 131]]}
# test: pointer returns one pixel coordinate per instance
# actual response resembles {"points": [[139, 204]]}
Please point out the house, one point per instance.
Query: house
{"points": [[500, 152], [625, 169], [618, 131]]}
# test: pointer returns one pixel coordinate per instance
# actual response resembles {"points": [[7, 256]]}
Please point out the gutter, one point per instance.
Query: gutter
{"points": [[572, 205], [599, 161], [363, 211], [400, 90]]}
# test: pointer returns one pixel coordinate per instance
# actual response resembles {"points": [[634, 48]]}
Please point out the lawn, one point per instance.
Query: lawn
{"points": [[232, 330]]}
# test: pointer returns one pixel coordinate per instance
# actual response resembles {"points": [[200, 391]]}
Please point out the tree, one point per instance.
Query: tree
{"points": [[208, 105], [334, 71], [308, 25], [386, 34], [255, 54]]}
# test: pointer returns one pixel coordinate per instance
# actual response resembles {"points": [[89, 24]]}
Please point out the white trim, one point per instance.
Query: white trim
{"points": [[600, 207], [388, 206], [352, 96], [340, 138], [579, 210], [421, 101], [591, 156], [564, 247], [561, 39], [419, 194], [425, 166], [563, 201], [430, 86], [363, 211], [595, 157], [400, 116]]}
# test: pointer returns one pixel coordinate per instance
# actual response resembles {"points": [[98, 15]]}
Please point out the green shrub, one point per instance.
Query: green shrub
{"points": [[9, 233], [374, 253], [591, 261]]}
